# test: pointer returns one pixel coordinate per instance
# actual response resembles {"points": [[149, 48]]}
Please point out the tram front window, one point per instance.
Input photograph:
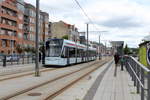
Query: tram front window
{"points": [[53, 48]]}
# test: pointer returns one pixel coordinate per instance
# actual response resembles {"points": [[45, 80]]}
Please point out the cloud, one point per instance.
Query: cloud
{"points": [[120, 22], [127, 20]]}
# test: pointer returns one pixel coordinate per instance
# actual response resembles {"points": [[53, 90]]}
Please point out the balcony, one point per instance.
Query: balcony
{"points": [[8, 37], [26, 13], [10, 6], [8, 27], [26, 29], [8, 16], [26, 21]]}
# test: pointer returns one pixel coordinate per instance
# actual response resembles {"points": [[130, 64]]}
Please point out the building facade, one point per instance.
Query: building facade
{"points": [[61, 29], [17, 25], [82, 37], [11, 24], [44, 26]]}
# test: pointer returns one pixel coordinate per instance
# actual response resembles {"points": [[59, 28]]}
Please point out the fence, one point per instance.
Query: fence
{"points": [[140, 75], [7, 60]]}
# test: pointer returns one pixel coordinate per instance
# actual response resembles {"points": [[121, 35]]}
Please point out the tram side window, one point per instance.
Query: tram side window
{"points": [[71, 52], [79, 52], [65, 52]]}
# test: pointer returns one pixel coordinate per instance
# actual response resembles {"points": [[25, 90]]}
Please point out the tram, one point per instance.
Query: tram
{"points": [[63, 52]]}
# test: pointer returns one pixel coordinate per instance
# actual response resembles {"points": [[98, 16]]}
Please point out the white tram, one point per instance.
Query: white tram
{"points": [[63, 52]]}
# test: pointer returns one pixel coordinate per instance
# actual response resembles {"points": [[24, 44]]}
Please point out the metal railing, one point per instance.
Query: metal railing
{"points": [[140, 75], [8, 60]]}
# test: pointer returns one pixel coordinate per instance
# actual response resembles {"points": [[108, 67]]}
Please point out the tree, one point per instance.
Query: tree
{"points": [[19, 49], [126, 50], [27, 49], [65, 37], [33, 50]]}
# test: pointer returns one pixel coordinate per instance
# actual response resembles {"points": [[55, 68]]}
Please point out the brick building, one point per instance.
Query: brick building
{"points": [[17, 25], [11, 22], [61, 29], [44, 26]]}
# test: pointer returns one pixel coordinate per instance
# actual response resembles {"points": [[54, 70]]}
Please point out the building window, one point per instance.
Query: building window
{"points": [[20, 35], [4, 43], [2, 32], [25, 36], [20, 26], [12, 43]]}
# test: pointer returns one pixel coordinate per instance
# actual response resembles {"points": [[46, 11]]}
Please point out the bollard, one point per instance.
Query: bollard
{"points": [[23, 59], [4, 61], [18, 57], [28, 59]]}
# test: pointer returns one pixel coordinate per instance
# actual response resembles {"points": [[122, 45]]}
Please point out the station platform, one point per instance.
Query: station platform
{"points": [[119, 87], [103, 85]]}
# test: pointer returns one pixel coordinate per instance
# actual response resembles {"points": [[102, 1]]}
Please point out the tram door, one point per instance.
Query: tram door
{"points": [[68, 57]]}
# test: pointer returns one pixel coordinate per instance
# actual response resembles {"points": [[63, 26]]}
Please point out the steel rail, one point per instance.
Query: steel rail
{"points": [[51, 96], [44, 83], [27, 73]]}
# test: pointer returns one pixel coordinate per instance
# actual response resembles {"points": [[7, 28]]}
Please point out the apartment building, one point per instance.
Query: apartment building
{"points": [[11, 22], [49, 29], [30, 25], [44, 26], [61, 29], [17, 25]]}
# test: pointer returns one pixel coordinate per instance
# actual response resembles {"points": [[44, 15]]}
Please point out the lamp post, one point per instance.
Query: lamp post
{"points": [[99, 47], [37, 40], [87, 42]]}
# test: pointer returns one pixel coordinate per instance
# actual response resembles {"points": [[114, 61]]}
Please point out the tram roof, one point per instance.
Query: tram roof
{"points": [[74, 44]]}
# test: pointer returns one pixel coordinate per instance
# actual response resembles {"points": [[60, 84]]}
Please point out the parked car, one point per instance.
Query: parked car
{"points": [[12, 58]]}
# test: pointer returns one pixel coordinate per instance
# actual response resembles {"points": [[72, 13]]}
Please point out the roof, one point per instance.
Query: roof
{"points": [[144, 43], [117, 43]]}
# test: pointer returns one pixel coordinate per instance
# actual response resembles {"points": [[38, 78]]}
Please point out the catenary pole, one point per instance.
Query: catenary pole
{"points": [[37, 40], [99, 47], [87, 42]]}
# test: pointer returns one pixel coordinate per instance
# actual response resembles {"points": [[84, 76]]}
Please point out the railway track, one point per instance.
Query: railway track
{"points": [[81, 72], [8, 77], [27, 73]]}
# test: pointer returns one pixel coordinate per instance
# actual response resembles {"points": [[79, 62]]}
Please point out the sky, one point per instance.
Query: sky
{"points": [[113, 20]]}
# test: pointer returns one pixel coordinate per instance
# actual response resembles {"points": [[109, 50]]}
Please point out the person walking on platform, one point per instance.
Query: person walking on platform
{"points": [[122, 62], [116, 59]]}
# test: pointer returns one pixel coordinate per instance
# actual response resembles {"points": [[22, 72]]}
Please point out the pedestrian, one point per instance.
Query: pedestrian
{"points": [[39, 56], [122, 62], [116, 59], [43, 57]]}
